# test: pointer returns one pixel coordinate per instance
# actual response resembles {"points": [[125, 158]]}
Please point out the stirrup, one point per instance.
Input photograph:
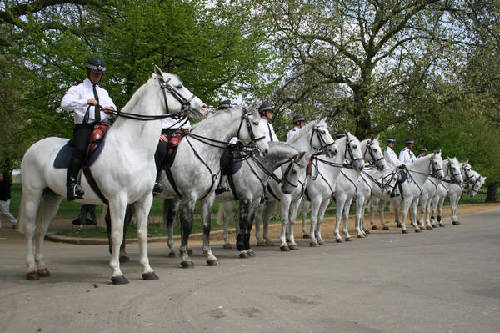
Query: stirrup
{"points": [[75, 191]]}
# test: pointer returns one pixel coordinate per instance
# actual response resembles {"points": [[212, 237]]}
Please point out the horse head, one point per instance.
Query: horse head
{"points": [[249, 130], [177, 98], [453, 170], [477, 182], [372, 152], [350, 147], [294, 172], [322, 140], [436, 165]]}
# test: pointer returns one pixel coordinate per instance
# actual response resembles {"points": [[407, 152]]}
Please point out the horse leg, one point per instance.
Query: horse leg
{"points": [[170, 208], [427, 217], [397, 211], [206, 217], [305, 208], [128, 218], [453, 205], [259, 211], [423, 200], [285, 206], [321, 214], [294, 206], [227, 211], [406, 205], [345, 219], [269, 210], [27, 223], [48, 210], [142, 209], [440, 211], [243, 232], [315, 206], [117, 208], [413, 214], [360, 202], [341, 198], [186, 229], [251, 216]]}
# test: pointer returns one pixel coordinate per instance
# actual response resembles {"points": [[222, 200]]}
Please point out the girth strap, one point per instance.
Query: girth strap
{"points": [[172, 181], [93, 184]]}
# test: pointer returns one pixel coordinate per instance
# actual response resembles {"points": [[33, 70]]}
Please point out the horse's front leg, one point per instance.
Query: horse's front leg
{"points": [[360, 211], [117, 208], [206, 217], [186, 229], [345, 219], [440, 211], [454, 204], [294, 206], [226, 209], [285, 206], [427, 217], [170, 209], [321, 215], [142, 209], [244, 230], [305, 208], [405, 207], [341, 199], [316, 202], [413, 214], [269, 209]]}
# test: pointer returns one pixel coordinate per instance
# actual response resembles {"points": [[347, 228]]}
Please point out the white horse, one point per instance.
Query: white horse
{"points": [[249, 184], [451, 169], [418, 172], [371, 180], [196, 169], [313, 136], [124, 172], [471, 180], [348, 149]]}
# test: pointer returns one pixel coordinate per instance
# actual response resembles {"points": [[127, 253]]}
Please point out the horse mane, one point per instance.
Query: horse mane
{"points": [[303, 130]]}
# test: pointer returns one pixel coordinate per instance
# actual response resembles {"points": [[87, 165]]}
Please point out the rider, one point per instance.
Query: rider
{"points": [[226, 161], [392, 159], [299, 121], [266, 114], [91, 105], [423, 152], [406, 155]]}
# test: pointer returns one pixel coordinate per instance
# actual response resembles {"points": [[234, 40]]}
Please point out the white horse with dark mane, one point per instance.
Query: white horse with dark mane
{"points": [[472, 181], [124, 172], [196, 170], [451, 174], [314, 136]]}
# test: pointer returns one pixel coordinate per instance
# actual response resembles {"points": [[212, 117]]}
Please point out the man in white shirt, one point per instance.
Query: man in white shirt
{"points": [[423, 152], [299, 121], [266, 114], [91, 105], [406, 156], [390, 155]]}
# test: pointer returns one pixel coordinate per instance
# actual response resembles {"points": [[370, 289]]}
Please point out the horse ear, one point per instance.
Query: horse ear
{"points": [[158, 71]]}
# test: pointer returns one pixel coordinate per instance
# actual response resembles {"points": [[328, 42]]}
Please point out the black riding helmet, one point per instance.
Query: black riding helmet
{"points": [[297, 118], [391, 140], [423, 149], [96, 65], [264, 107]]}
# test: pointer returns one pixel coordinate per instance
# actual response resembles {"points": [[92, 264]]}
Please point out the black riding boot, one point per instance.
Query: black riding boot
{"points": [[75, 190]]}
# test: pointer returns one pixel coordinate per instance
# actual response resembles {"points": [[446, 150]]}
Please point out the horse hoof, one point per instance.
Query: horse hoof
{"points": [[418, 230], [284, 248], [205, 252], [348, 239], [428, 227], [118, 280], [321, 242], [434, 225], [150, 276], [33, 275], [44, 272], [261, 243], [339, 240], [374, 227], [251, 253], [269, 243], [306, 236], [422, 227], [456, 223], [243, 255], [404, 231], [399, 225], [187, 264], [385, 227], [313, 244], [227, 246], [293, 247], [172, 254], [360, 236], [212, 262], [366, 231], [124, 259]]}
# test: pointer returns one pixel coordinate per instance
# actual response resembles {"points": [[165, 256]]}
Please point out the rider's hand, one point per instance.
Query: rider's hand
{"points": [[163, 138], [92, 101], [204, 109], [107, 109]]}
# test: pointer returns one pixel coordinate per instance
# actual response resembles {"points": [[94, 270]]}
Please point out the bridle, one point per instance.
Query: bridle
{"points": [[319, 132], [449, 171], [369, 150], [244, 116], [434, 170]]}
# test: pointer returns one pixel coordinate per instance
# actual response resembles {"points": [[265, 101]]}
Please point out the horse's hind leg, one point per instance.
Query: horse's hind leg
{"points": [[305, 208], [48, 209], [244, 231], [206, 211], [294, 206], [186, 228], [321, 215], [269, 209], [170, 209], [27, 221]]}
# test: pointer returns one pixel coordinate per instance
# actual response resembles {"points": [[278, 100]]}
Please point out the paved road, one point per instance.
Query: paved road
{"points": [[447, 280]]}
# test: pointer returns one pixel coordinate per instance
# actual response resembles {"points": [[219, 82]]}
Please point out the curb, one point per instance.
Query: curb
{"points": [[104, 241]]}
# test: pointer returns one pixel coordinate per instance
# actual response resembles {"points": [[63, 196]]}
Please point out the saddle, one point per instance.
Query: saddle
{"points": [[174, 139]]}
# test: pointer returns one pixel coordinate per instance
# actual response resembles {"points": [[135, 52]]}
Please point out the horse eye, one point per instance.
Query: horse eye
{"points": [[179, 86]]}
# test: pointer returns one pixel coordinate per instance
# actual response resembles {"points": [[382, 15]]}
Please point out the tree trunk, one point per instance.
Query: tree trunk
{"points": [[491, 195]]}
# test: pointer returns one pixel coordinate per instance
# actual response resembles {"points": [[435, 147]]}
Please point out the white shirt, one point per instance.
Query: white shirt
{"points": [[391, 157], [268, 130], [76, 98], [406, 156], [175, 123], [291, 133]]}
